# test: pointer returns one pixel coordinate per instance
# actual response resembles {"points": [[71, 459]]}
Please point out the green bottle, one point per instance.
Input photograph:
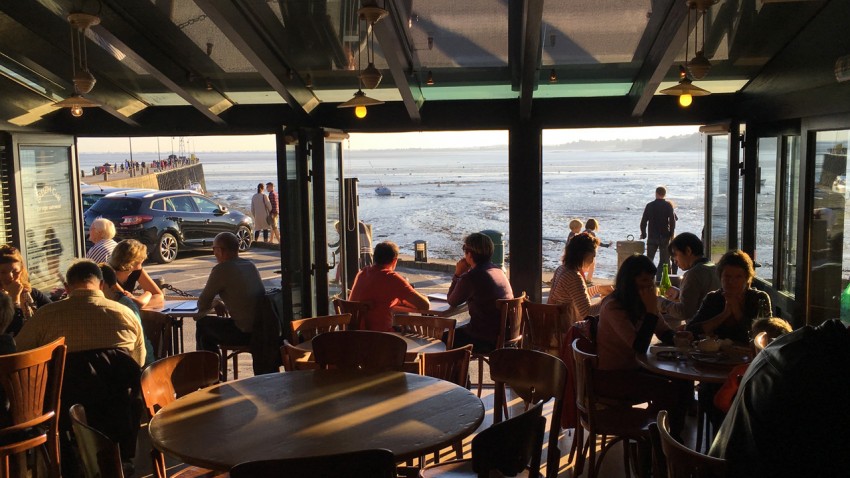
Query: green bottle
{"points": [[845, 305], [665, 279]]}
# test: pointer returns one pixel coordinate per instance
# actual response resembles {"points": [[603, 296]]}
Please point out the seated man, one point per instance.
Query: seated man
{"points": [[480, 283], [699, 279], [790, 417], [383, 288], [237, 282]]}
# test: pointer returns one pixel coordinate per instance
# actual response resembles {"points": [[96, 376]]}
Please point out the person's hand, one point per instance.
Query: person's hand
{"points": [[605, 290], [649, 297], [672, 293], [643, 235], [14, 289], [734, 307], [221, 309], [461, 267]]}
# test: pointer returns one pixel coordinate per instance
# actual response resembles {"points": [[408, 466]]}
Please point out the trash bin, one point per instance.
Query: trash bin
{"points": [[420, 251], [627, 248], [498, 246]]}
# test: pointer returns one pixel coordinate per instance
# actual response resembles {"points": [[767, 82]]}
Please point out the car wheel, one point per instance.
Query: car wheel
{"points": [[244, 235], [166, 249]]}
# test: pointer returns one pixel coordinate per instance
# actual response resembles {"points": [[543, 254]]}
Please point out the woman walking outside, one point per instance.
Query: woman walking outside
{"points": [[261, 209]]}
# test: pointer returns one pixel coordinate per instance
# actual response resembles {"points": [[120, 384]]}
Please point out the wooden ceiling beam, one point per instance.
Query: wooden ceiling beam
{"points": [[394, 44], [531, 53]]}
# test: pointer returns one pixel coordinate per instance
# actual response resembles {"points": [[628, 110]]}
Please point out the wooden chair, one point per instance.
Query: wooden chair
{"points": [[32, 382], [451, 366], [535, 377], [294, 358], [231, 352], [100, 455], [358, 311], [512, 447], [378, 463], [510, 332], [544, 326], [682, 462], [427, 326], [598, 417], [305, 329], [171, 378], [361, 350]]}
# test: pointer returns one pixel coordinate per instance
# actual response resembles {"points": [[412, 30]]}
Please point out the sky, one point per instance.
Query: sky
{"points": [[373, 141]]}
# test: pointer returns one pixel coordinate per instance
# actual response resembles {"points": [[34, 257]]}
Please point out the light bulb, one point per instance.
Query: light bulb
{"points": [[686, 100], [76, 111], [360, 111]]}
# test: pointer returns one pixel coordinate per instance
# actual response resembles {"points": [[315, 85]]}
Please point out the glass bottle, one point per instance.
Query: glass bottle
{"points": [[845, 305], [665, 280]]}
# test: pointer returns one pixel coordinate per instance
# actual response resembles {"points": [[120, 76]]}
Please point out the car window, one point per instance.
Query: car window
{"points": [[158, 205], [204, 204], [183, 204], [169, 206], [116, 206]]}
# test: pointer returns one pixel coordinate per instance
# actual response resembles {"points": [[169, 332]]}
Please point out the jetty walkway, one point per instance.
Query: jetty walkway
{"points": [[178, 174]]}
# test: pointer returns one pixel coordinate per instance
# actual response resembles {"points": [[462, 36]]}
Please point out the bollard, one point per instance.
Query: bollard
{"points": [[420, 251]]}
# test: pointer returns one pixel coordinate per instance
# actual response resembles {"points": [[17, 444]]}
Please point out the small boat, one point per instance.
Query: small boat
{"points": [[383, 191]]}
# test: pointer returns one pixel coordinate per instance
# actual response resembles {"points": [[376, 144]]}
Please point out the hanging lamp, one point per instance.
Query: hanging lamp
{"points": [[685, 89], [371, 77], [699, 66], [82, 78]]}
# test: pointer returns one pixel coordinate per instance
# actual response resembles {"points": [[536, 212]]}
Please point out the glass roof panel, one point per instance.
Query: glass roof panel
{"points": [[581, 90], [203, 32]]}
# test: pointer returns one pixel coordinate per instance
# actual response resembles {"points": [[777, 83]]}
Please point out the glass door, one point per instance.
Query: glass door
{"points": [[716, 234]]}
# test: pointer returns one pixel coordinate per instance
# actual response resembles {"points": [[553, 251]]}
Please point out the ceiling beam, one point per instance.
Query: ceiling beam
{"points": [[395, 46], [531, 53], [268, 60], [668, 42]]}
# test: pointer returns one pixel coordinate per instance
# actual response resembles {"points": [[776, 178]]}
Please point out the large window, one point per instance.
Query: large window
{"points": [[789, 207], [766, 207], [830, 259], [719, 199]]}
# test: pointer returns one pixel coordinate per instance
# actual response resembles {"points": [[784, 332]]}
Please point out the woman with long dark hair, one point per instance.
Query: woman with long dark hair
{"points": [[568, 284], [14, 280]]}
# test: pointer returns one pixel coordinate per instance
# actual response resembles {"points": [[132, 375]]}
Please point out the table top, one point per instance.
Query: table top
{"points": [[180, 308], [439, 308], [688, 369], [416, 344], [310, 413]]}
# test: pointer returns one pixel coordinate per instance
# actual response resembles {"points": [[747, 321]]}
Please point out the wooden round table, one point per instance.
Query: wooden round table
{"points": [[685, 369], [307, 413], [416, 344]]}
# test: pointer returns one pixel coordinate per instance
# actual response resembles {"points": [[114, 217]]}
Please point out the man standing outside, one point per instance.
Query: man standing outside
{"points": [[383, 288], [699, 279], [661, 219], [87, 319], [237, 282], [275, 212]]}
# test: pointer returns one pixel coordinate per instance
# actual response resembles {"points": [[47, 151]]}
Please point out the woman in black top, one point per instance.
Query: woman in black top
{"points": [[14, 281], [127, 259]]}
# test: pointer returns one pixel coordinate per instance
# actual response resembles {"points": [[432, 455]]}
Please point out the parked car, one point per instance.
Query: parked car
{"points": [[92, 192], [170, 221]]}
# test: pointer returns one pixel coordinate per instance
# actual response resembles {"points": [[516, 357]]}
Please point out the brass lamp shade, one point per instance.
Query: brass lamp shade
{"points": [[370, 77], [360, 99], [685, 87], [699, 66]]}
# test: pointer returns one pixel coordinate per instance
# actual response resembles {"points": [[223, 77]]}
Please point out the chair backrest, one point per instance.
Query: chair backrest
{"points": [[100, 455], [512, 445], [173, 377], [544, 326], [377, 463], [683, 462], [294, 358], [451, 365], [585, 363], [426, 326], [305, 329], [358, 311], [360, 350], [510, 321], [32, 382]]}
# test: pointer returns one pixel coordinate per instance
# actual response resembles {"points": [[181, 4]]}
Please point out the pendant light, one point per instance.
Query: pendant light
{"points": [[82, 78], [699, 66], [371, 77], [685, 89]]}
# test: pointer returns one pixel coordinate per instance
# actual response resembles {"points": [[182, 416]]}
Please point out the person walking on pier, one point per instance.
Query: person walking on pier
{"points": [[261, 210]]}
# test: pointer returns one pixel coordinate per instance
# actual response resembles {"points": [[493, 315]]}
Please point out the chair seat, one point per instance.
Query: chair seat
{"points": [[196, 472], [623, 422], [457, 469]]}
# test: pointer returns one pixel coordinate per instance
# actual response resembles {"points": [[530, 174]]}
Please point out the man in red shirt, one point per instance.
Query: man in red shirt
{"points": [[383, 288]]}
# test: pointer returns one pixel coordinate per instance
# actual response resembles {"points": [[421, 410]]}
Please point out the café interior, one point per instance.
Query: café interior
{"points": [[768, 81]]}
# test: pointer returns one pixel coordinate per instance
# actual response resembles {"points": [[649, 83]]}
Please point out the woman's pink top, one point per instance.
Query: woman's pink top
{"points": [[616, 335]]}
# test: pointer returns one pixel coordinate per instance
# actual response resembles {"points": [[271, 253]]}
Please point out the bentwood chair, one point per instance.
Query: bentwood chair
{"points": [[601, 418], [510, 332], [544, 326], [305, 329], [100, 455], [682, 462], [512, 448], [364, 350], [535, 377], [451, 366], [294, 358], [377, 463], [427, 326], [32, 382], [171, 378], [358, 311]]}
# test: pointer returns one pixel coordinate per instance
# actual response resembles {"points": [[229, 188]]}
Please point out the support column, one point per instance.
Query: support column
{"points": [[525, 197]]}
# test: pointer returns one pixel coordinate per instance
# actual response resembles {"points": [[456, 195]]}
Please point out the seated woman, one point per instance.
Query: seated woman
{"points": [[14, 280], [112, 290], [101, 232], [729, 312], [627, 320], [568, 285], [7, 314], [127, 259], [480, 283]]}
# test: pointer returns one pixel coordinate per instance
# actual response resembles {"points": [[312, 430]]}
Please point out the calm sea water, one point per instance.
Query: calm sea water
{"points": [[440, 196]]}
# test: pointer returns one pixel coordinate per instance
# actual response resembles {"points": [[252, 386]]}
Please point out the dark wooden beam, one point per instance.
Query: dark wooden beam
{"points": [[400, 59], [531, 52], [232, 21], [668, 42], [525, 200]]}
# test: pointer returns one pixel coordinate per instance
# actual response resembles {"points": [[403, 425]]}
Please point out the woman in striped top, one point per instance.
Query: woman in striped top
{"points": [[568, 284]]}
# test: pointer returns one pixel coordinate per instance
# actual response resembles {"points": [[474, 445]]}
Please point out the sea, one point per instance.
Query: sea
{"points": [[440, 196]]}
